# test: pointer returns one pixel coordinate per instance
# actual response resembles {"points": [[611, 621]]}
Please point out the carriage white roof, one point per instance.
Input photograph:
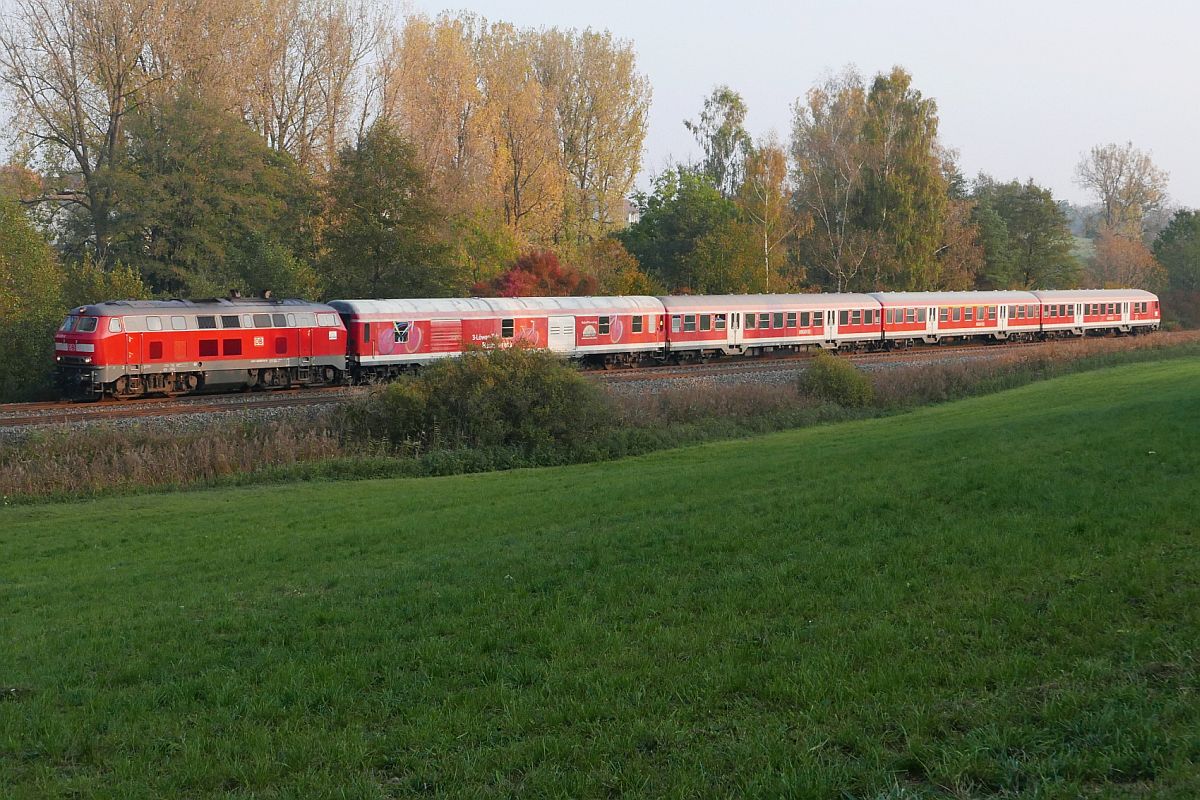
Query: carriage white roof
{"points": [[764, 302], [491, 306], [953, 298], [577, 305], [1095, 295]]}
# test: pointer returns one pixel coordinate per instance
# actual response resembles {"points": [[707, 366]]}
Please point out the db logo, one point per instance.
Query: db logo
{"points": [[258, 341]]}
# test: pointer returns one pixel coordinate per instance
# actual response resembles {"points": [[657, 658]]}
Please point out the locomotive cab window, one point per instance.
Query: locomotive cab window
{"points": [[507, 327], [399, 330], [636, 324], [86, 325]]}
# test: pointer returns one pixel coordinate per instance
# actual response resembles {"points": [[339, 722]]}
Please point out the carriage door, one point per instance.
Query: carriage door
{"points": [[830, 324], [731, 328], [931, 320], [561, 338]]}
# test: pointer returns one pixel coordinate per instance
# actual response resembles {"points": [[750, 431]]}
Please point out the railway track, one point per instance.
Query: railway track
{"points": [[18, 415]]}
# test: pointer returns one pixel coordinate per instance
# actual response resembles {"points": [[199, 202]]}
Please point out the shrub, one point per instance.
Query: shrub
{"points": [[516, 398], [837, 381]]}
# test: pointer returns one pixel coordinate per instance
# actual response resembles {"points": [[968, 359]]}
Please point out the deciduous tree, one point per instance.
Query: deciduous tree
{"points": [[1127, 183], [539, 273], [765, 199], [721, 133], [1031, 249], [383, 235], [1178, 249], [1123, 263]]}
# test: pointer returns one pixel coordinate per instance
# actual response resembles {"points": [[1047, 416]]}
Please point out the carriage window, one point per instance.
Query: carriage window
{"points": [[689, 323], [991, 312], [968, 314], [675, 323], [719, 322], [804, 319], [750, 319], [154, 323], [920, 315], [818, 318], [791, 319], [706, 322], [208, 347], [230, 321], [262, 320], [178, 324], [1020, 312], [855, 317], [114, 325], [843, 317], [1033, 312], [366, 332], [957, 315], [764, 320], [399, 331], [943, 315], [506, 327], [636, 324], [777, 319], [206, 323], [231, 347], [910, 315]]}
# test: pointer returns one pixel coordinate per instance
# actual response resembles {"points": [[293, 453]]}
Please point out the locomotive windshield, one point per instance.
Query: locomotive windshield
{"points": [[86, 325], [68, 324]]}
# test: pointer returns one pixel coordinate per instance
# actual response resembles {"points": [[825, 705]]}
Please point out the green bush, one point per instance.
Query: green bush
{"points": [[837, 381], [513, 398]]}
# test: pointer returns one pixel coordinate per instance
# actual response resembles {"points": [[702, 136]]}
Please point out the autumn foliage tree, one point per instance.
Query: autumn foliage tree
{"points": [[1120, 262], [538, 273]]}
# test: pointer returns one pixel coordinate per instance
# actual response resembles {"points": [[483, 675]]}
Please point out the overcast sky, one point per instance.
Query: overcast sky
{"points": [[1023, 88]]}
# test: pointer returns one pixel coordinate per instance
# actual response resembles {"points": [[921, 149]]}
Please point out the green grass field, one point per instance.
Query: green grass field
{"points": [[996, 597]]}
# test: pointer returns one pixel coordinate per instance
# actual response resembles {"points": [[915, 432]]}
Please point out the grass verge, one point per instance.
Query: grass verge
{"points": [[994, 597]]}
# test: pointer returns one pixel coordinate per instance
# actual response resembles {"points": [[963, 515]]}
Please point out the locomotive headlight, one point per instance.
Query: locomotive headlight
{"points": [[87, 361]]}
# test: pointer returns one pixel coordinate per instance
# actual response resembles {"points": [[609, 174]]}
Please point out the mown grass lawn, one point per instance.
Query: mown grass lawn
{"points": [[997, 597]]}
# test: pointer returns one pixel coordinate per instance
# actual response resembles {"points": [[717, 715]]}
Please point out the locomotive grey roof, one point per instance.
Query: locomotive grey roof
{"points": [[221, 305], [490, 306], [954, 298], [763, 302]]}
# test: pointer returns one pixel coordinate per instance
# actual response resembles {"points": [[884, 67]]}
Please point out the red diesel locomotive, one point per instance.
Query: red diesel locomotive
{"points": [[129, 348]]}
